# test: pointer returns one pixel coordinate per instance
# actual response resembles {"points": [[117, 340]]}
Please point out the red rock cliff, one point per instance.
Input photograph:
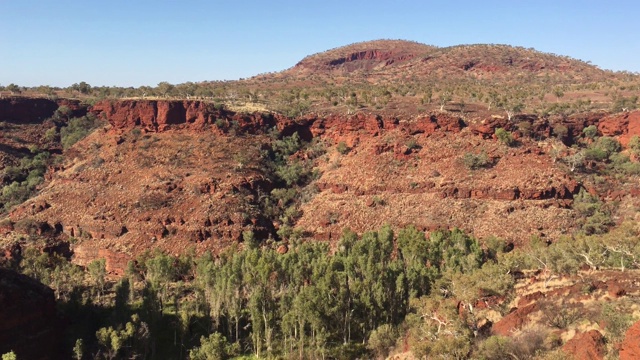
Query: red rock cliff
{"points": [[24, 110], [161, 115]]}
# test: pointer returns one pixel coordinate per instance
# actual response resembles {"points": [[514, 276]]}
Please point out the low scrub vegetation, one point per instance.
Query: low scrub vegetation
{"points": [[357, 300]]}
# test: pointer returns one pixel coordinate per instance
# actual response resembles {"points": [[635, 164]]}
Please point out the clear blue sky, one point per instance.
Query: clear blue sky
{"points": [[141, 42]]}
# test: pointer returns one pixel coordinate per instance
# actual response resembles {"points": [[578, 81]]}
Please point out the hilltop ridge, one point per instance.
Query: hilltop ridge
{"points": [[377, 57]]}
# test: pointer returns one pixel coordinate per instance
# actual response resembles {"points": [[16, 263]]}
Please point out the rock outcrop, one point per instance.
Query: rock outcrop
{"points": [[514, 320], [623, 125], [22, 110], [161, 115], [28, 322], [630, 347], [586, 346]]}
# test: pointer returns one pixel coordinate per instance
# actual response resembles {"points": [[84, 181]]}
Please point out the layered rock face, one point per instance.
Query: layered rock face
{"points": [[28, 322], [158, 116]]}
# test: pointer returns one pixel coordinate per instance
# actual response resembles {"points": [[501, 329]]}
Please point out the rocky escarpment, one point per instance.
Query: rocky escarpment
{"points": [[364, 56], [175, 174], [28, 322], [21, 110], [156, 116]]}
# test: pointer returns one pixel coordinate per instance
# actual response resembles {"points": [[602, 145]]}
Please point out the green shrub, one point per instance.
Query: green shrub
{"points": [[495, 348], [378, 201], [342, 148], [525, 128], [561, 131], [590, 131], [608, 144], [602, 149], [475, 161], [14, 194], [624, 103], [283, 195], [621, 164], [62, 112], [77, 129], [382, 340], [51, 135], [617, 322], [597, 219], [292, 174], [214, 347], [23, 179], [634, 145], [287, 146], [412, 144], [596, 154], [505, 137], [249, 238], [221, 124]]}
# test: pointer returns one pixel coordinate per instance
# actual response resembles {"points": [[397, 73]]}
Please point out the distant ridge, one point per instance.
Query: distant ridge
{"points": [[388, 59]]}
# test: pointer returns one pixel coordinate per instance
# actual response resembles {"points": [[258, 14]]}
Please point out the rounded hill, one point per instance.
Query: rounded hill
{"points": [[394, 59]]}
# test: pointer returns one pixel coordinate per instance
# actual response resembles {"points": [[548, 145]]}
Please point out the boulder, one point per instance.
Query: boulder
{"points": [[514, 320], [586, 346], [630, 347]]}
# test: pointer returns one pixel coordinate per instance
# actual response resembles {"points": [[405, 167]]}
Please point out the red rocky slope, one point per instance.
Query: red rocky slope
{"points": [[175, 174]]}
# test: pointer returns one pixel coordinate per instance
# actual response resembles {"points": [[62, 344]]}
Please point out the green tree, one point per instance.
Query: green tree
{"points": [[214, 347], [160, 271], [9, 356], [97, 272], [82, 87], [512, 104], [15, 89], [443, 98], [382, 340], [78, 349], [164, 89]]}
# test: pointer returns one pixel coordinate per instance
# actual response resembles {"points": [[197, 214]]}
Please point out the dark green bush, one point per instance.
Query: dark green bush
{"points": [[602, 149]]}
